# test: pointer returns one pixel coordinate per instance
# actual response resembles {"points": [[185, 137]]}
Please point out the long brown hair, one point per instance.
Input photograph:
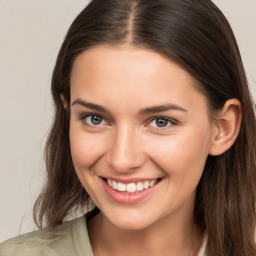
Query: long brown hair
{"points": [[197, 36]]}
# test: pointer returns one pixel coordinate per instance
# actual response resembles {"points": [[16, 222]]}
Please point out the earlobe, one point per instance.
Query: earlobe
{"points": [[65, 105], [227, 127]]}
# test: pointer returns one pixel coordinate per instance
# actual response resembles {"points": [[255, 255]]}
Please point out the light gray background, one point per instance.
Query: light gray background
{"points": [[30, 36]]}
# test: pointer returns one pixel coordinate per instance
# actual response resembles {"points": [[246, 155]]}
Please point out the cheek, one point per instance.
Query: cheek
{"points": [[85, 152], [182, 156], [85, 148]]}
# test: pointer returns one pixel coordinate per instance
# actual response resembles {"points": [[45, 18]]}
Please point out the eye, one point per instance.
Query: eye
{"points": [[93, 120], [161, 122]]}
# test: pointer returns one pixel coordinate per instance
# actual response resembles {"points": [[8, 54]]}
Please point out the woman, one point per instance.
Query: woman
{"points": [[154, 124]]}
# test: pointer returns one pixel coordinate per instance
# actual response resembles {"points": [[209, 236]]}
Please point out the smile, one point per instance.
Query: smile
{"points": [[130, 192], [131, 187]]}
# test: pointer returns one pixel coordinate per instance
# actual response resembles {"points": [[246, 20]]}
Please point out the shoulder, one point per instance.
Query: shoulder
{"points": [[51, 241]]}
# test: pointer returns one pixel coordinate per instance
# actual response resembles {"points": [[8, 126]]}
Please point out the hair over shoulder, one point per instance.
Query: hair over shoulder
{"points": [[197, 36]]}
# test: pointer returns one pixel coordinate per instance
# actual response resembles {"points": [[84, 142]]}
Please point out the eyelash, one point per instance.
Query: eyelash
{"points": [[171, 122], [83, 119]]}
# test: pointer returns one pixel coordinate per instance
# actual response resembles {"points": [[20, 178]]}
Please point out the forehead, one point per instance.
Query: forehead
{"points": [[139, 61], [127, 72]]}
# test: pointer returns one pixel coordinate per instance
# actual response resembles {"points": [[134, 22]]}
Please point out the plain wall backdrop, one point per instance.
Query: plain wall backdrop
{"points": [[31, 33]]}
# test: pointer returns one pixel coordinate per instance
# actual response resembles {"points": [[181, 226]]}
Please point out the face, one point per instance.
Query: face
{"points": [[139, 134]]}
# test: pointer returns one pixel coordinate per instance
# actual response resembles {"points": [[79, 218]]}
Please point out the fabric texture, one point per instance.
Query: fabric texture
{"points": [[68, 239]]}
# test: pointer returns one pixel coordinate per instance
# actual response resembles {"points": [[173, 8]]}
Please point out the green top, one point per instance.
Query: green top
{"points": [[68, 239]]}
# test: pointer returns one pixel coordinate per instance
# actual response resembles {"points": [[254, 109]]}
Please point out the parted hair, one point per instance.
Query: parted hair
{"points": [[197, 37]]}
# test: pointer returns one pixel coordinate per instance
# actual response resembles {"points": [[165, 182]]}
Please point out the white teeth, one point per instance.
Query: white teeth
{"points": [[152, 183], [121, 187], [139, 186], [109, 182], [131, 187], [114, 184], [146, 184]]}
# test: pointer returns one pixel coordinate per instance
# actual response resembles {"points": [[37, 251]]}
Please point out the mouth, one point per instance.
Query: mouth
{"points": [[131, 187], [131, 191]]}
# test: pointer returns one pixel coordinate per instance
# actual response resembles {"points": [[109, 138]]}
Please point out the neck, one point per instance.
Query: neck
{"points": [[169, 236]]}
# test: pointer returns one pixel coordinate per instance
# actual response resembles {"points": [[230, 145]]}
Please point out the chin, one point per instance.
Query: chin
{"points": [[130, 225], [129, 220]]}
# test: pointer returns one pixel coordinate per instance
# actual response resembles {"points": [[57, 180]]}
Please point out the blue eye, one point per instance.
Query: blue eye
{"points": [[93, 120], [160, 122]]}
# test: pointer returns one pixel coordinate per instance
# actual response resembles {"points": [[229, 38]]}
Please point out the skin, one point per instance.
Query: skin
{"points": [[129, 144]]}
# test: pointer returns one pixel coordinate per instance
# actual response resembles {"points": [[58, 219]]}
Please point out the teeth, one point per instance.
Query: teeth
{"points": [[121, 187], [131, 187], [139, 186], [151, 183], [146, 184], [109, 182], [114, 184]]}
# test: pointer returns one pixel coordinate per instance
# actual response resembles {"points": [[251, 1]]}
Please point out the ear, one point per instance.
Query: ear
{"points": [[227, 127], [65, 104]]}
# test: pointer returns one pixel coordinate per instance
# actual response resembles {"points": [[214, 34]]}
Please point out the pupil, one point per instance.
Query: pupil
{"points": [[96, 120], [161, 122]]}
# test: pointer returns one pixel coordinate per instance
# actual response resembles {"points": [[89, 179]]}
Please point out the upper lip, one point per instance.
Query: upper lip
{"points": [[130, 180]]}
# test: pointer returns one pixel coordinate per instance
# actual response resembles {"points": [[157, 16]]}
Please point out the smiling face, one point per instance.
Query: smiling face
{"points": [[138, 125]]}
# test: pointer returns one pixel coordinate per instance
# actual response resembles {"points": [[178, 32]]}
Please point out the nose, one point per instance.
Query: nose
{"points": [[125, 152]]}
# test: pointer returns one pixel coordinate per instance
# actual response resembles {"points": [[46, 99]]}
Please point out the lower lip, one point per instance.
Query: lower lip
{"points": [[128, 198]]}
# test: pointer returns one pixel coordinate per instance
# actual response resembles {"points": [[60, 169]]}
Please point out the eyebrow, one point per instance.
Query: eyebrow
{"points": [[90, 105], [161, 108], [144, 111]]}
